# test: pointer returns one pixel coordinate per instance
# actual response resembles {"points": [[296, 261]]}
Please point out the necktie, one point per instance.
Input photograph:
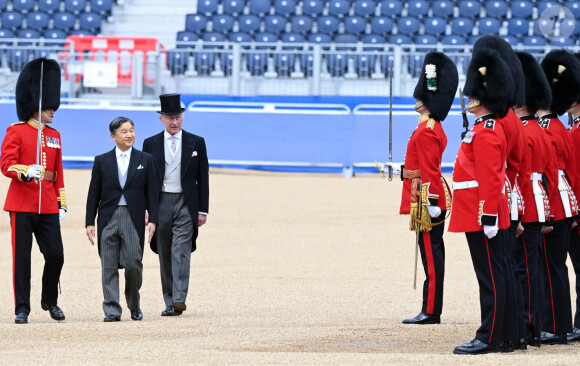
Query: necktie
{"points": [[173, 147], [123, 163]]}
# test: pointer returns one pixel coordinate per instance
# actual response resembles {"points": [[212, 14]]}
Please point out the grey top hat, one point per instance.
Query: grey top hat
{"points": [[170, 104]]}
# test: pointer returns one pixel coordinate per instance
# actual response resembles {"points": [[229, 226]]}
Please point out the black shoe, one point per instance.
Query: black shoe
{"points": [[55, 312], [534, 341], [551, 338], [21, 318], [423, 318], [521, 344], [475, 347], [179, 307], [506, 346], [137, 315], [574, 337], [168, 311], [109, 318]]}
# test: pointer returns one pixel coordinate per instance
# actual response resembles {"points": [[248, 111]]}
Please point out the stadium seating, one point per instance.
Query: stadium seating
{"points": [[408, 25], [283, 7], [301, 24], [328, 24], [195, 23], [312, 7], [223, 23], [6, 34], [435, 26], [338, 8], [391, 8], [469, 8], [75, 6], [259, 7], [496, 9], [355, 24], [37, 20], [522, 9], [381, 25], [275, 23], [417, 8], [23, 6], [518, 27], [48, 6], [249, 23], [364, 7], [488, 26], [442, 8], [90, 22], [234, 7], [3, 4], [185, 36], [11, 20], [207, 7], [103, 7]]}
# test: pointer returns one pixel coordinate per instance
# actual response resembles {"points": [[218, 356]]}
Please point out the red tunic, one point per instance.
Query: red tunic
{"points": [[536, 159], [575, 135], [424, 152], [480, 159], [17, 154], [564, 157], [514, 131]]}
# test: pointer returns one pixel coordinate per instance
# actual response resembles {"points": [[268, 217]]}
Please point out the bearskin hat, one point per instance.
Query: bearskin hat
{"points": [[28, 87], [562, 70], [437, 84], [507, 53], [490, 80], [538, 92]]}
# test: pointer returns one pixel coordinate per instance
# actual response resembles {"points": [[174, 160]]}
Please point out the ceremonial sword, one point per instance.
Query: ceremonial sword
{"points": [[464, 114], [39, 137], [391, 119]]}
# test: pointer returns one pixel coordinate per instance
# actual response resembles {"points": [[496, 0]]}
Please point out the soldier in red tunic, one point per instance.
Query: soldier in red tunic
{"points": [[425, 193], [562, 70], [480, 207], [36, 198], [537, 167]]}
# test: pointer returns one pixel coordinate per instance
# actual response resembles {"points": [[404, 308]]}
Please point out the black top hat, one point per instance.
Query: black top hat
{"points": [[562, 70], [28, 87], [170, 104], [538, 92], [437, 84]]}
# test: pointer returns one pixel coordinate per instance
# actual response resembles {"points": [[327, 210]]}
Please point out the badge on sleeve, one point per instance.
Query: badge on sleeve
{"points": [[469, 137], [490, 123]]}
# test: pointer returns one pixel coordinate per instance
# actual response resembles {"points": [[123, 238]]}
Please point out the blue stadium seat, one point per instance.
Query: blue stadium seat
{"points": [[328, 24], [373, 39], [54, 37], [535, 42], [349, 39], [563, 42], [195, 23], [391, 8], [319, 38], [285, 7], [23, 6], [435, 26], [284, 63], [17, 58], [363, 64], [426, 43], [364, 7], [207, 7], [292, 41], [81, 32], [64, 21], [177, 61], [103, 7], [417, 8], [312, 7], [522, 9], [384, 61], [90, 22], [453, 40], [257, 63], [260, 7], [6, 34], [469, 8], [442, 8], [43, 52], [37, 20], [399, 39], [408, 25], [543, 5], [462, 26], [337, 64], [381, 25], [355, 24], [222, 23], [275, 23], [488, 26], [3, 4], [569, 27], [545, 23], [249, 23], [574, 7], [75, 6], [496, 9], [240, 37], [48, 6], [234, 7], [27, 34], [265, 40], [301, 24], [338, 7], [184, 39], [204, 62], [11, 20], [210, 37], [518, 27], [415, 65], [512, 41]]}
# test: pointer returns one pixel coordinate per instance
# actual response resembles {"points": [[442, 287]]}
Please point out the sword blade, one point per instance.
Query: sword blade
{"points": [[39, 136], [391, 118]]}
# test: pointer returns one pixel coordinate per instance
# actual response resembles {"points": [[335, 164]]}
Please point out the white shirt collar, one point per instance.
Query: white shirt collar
{"points": [[118, 152], [168, 135]]}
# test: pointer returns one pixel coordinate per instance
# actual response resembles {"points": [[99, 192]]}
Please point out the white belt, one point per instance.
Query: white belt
{"points": [[536, 176], [465, 185]]}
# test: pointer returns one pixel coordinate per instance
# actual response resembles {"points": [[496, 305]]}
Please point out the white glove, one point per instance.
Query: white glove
{"points": [[434, 211], [490, 231], [61, 214], [34, 171], [396, 167]]}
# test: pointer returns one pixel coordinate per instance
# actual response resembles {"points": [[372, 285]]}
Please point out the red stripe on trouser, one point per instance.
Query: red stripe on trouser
{"points": [[430, 271], [528, 277], [494, 291], [13, 234], [550, 282]]}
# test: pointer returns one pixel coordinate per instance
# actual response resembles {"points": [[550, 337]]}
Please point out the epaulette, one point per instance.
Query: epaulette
{"points": [[17, 123], [490, 123], [430, 123], [46, 125], [544, 122]]}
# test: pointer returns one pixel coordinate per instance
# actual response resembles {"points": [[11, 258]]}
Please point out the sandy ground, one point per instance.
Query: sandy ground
{"points": [[290, 269]]}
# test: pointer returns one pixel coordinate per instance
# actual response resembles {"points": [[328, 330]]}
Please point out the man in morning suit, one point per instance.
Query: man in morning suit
{"points": [[182, 175], [35, 178], [434, 93], [122, 188]]}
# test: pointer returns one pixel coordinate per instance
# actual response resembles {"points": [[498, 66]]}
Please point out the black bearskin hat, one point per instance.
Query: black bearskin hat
{"points": [[437, 84], [28, 88], [538, 92], [562, 70], [490, 80], [507, 53]]}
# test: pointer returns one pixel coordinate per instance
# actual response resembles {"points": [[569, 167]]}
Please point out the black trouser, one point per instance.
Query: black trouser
{"points": [[46, 230], [488, 263], [557, 303], [514, 324], [574, 252], [433, 257], [530, 275]]}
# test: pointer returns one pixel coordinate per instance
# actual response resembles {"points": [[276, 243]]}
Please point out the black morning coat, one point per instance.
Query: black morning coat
{"points": [[194, 173]]}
